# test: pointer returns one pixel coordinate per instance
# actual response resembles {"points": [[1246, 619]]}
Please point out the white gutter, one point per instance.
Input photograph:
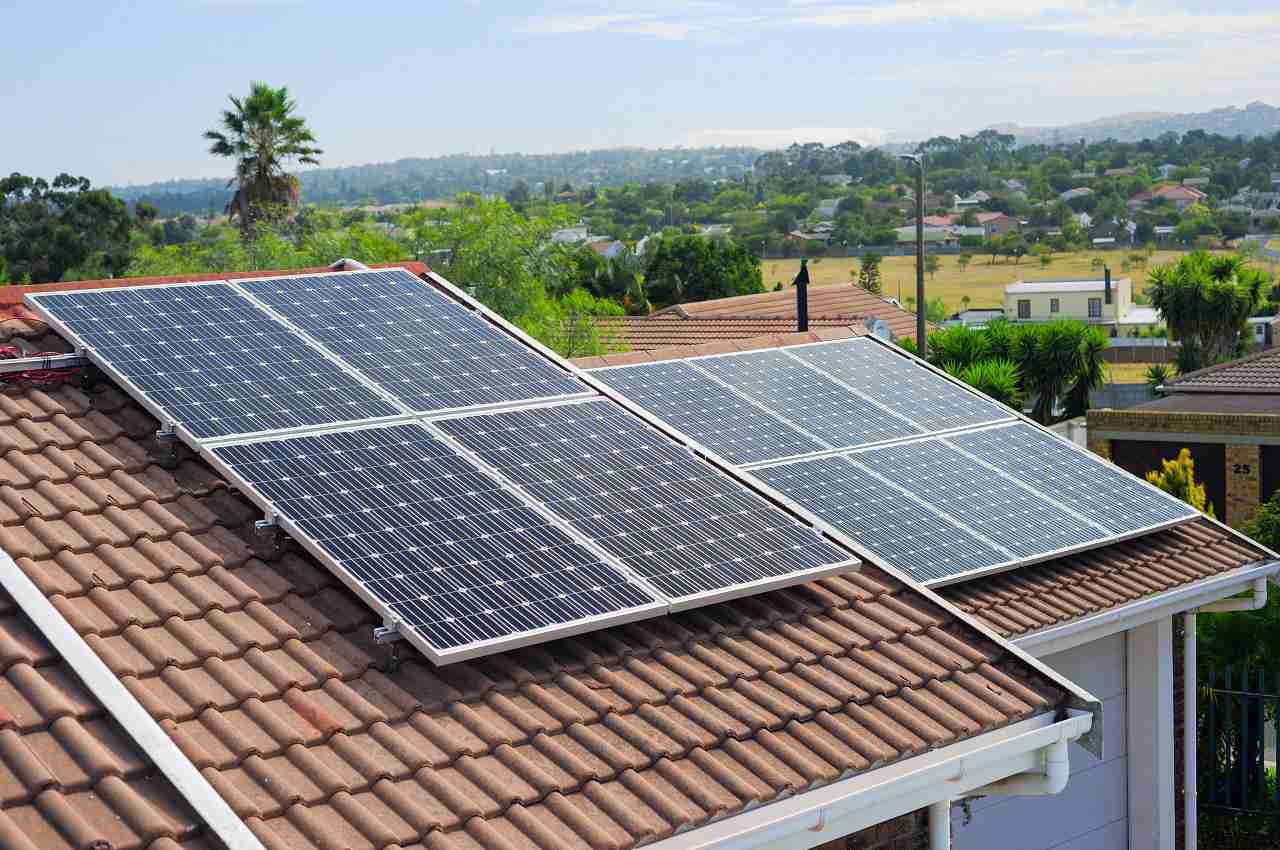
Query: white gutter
{"points": [[127, 711], [930, 780], [1051, 780], [1252, 603], [1084, 630], [1189, 685]]}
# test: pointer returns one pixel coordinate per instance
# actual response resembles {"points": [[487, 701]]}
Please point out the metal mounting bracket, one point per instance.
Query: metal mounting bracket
{"points": [[389, 634]]}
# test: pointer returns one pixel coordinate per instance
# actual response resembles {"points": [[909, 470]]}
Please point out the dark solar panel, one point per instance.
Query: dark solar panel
{"points": [[673, 519], [438, 543], [813, 402], [211, 360], [905, 387], [1024, 522], [708, 412], [414, 342], [1089, 485], [882, 517]]}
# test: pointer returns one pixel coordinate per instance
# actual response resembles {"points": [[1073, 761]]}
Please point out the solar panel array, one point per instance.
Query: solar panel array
{"points": [[474, 491], [925, 472]]}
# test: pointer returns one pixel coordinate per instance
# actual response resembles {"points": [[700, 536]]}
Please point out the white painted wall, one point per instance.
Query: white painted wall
{"points": [[1092, 813]]}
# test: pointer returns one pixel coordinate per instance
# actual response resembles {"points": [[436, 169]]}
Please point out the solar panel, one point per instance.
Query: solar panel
{"points": [[432, 541], [907, 388], [809, 400], [689, 530], [1090, 486], [205, 358], [1016, 518], [884, 518], [417, 344], [705, 410]]}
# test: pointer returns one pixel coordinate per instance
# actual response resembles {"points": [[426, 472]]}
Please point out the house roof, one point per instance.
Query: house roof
{"points": [[262, 668], [1020, 601], [645, 333], [1256, 373], [1031, 286], [838, 301]]}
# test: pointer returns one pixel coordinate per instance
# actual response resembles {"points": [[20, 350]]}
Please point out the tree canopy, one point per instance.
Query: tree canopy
{"points": [[1205, 299], [61, 230], [697, 268]]}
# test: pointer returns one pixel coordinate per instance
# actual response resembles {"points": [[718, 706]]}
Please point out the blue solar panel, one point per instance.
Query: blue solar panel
{"points": [[907, 388], [811, 401], [676, 521], [441, 546], [416, 343], [708, 412], [210, 360], [1088, 485]]}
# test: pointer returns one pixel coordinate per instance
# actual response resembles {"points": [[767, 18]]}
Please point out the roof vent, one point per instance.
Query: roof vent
{"points": [[802, 297], [880, 328]]}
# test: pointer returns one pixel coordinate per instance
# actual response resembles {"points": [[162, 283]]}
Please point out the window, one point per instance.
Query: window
{"points": [[1053, 305], [1095, 308], [1024, 308]]}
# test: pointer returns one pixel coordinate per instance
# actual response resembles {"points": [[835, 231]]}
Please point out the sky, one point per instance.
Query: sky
{"points": [[121, 93]]}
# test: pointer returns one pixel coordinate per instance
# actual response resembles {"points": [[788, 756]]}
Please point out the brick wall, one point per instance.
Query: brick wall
{"points": [[1242, 464], [909, 832]]}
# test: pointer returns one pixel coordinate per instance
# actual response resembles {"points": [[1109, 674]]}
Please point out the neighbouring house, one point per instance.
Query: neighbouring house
{"points": [[1098, 301], [995, 223], [1165, 171], [1195, 182], [1164, 232], [1013, 184], [1108, 617], [976, 318], [990, 223], [973, 201], [1078, 192], [1084, 220], [738, 317], [171, 677], [1180, 196], [1264, 331], [931, 234], [715, 231], [1119, 172], [609, 248], [1227, 415], [573, 235]]}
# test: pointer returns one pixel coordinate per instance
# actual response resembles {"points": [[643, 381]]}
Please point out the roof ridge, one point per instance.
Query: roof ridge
{"points": [[1174, 385]]}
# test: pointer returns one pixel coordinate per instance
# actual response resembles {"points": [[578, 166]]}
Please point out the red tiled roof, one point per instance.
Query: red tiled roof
{"points": [[1035, 597], [839, 301], [261, 666], [646, 333], [1023, 600], [1257, 373]]}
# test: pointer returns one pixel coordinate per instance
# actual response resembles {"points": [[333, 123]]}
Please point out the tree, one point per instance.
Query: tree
{"points": [[1158, 374], [869, 272], [693, 268], [66, 229], [1178, 478], [518, 195], [932, 262], [963, 260], [997, 377], [935, 310], [1205, 299], [264, 137]]}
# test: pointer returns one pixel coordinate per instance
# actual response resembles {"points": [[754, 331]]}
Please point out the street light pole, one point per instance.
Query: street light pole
{"points": [[921, 335]]}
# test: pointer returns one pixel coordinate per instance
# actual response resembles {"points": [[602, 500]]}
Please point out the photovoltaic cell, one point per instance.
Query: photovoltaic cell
{"points": [[414, 342], [1023, 522], [701, 408], [211, 360], [674, 520], [814, 403], [1104, 493], [903, 386], [434, 540], [882, 518]]}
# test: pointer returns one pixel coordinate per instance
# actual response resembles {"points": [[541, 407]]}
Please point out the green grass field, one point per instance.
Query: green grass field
{"points": [[982, 281]]}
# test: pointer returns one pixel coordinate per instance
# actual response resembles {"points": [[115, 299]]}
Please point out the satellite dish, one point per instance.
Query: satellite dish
{"points": [[880, 328]]}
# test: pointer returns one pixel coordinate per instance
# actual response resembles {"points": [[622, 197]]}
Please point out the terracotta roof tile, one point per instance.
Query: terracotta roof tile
{"points": [[1256, 373]]}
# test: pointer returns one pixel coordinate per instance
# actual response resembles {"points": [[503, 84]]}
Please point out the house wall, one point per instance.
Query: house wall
{"points": [[1249, 468], [1073, 305], [1093, 812], [909, 832]]}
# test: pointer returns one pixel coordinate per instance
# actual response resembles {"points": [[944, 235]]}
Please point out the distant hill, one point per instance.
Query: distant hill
{"points": [[412, 180], [1256, 119]]}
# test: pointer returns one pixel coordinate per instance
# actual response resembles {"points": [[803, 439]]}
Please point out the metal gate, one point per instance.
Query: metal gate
{"points": [[1237, 743]]}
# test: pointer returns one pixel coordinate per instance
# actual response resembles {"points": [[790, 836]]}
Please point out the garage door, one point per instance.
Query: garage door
{"points": [[1092, 813]]}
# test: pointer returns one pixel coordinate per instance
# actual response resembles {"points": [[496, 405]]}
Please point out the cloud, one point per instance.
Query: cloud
{"points": [[562, 24], [782, 137]]}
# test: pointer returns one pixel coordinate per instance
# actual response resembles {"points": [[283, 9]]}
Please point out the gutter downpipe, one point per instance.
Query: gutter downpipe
{"points": [[1189, 685], [1252, 603], [1051, 780], [940, 825]]}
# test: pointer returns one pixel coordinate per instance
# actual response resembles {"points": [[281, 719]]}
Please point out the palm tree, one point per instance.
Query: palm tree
{"points": [[264, 137]]}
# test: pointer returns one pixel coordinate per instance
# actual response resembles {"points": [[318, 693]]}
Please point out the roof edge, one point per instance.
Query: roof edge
{"points": [[125, 709]]}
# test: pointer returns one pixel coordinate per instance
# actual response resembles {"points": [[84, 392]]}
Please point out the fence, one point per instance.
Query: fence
{"points": [[1237, 771]]}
